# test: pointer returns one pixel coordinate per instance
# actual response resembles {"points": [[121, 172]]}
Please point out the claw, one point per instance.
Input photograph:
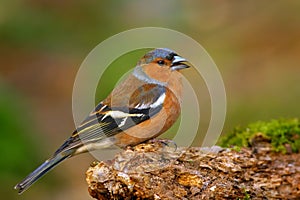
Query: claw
{"points": [[165, 142]]}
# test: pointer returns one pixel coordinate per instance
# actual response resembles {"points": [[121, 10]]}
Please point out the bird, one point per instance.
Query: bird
{"points": [[141, 107]]}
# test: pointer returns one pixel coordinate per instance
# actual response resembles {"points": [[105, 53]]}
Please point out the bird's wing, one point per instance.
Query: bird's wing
{"points": [[106, 121]]}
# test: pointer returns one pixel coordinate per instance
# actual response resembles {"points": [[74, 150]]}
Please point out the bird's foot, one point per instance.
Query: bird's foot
{"points": [[165, 142]]}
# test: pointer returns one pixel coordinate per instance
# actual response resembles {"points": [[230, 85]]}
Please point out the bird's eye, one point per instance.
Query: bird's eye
{"points": [[161, 62]]}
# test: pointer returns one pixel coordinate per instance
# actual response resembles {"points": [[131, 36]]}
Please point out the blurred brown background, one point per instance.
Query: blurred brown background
{"points": [[255, 44]]}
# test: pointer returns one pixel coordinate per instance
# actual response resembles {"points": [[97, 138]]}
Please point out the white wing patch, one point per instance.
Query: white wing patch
{"points": [[122, 122], [119, 114], [157, 103], [142, 106]]}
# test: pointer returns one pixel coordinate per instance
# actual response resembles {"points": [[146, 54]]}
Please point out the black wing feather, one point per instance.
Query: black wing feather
{"points": [[98, 125]]}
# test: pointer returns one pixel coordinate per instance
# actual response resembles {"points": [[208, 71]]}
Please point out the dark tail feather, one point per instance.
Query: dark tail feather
{"points": [[40, 171]]}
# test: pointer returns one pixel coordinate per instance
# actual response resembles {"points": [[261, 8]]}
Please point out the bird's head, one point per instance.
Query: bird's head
{"points": [[160, 65]]}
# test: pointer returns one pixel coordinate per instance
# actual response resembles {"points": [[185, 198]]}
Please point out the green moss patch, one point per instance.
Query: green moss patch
{"points": [[281, 133]]}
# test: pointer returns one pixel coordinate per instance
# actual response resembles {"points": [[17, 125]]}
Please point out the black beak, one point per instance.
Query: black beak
{"points": [[179, 63]]}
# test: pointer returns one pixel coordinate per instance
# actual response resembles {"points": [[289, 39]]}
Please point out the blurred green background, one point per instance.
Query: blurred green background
{"points": [[255, 44]]}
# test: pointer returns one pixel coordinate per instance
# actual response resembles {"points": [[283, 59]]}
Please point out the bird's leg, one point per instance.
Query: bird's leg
{"points": [[165, 142]]}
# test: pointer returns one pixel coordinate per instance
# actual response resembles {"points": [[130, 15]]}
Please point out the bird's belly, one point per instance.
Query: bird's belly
{"points": [[104, 143]]}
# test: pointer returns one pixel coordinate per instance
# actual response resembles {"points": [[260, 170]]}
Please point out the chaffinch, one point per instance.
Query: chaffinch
{"points": [[143, 106]]}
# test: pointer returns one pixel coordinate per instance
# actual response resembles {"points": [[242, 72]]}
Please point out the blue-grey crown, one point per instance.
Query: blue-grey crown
{"points": [[159, 53]]}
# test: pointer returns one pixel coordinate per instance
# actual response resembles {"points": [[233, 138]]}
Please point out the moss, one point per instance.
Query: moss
{"points": [[246, 196], [281, 133], [236, 148]]}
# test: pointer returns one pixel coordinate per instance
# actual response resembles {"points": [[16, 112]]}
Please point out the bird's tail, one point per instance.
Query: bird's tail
{"points": [[40, 171]]}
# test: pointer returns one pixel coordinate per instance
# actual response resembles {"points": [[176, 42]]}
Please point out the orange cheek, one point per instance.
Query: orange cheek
{"points": [[157, 72]]}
